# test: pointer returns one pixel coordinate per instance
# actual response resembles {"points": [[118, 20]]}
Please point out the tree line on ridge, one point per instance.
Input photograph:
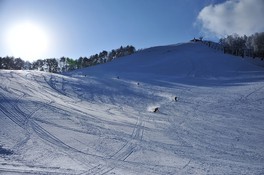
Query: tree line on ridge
{"points": [[63, 64]]}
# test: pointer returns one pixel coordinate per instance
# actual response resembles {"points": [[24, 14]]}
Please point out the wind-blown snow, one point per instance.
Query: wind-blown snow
{"points": [[99, 120]]}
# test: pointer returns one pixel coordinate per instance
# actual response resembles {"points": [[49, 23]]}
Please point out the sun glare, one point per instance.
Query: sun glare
{"points": [[27, 40]]}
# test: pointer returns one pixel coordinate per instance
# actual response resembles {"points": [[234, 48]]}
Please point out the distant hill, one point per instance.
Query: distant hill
{"points": [[192, 60]]}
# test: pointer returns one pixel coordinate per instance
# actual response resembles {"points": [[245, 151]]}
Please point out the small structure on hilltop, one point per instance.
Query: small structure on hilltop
{"points": [[197, 40]]}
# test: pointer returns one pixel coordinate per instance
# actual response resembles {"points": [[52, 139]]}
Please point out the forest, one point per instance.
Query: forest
{"points": [[251, 46], [63, 64]]}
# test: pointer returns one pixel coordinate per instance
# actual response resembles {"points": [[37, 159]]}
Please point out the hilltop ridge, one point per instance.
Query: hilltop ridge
{"points": [[186, 60]]}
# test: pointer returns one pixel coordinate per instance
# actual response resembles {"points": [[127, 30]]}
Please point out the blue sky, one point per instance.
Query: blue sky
{"points": [[84, 27]]}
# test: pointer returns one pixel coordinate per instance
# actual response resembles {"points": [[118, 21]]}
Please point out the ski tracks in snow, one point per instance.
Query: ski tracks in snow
{"points": [[130, 147], [124, 152], [27, 122]]}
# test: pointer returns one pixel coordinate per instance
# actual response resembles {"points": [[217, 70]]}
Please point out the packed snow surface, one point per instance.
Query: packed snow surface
{"points": [[100, 120]]}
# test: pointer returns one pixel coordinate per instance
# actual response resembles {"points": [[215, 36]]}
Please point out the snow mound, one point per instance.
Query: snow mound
{"points": [[182, 61]]}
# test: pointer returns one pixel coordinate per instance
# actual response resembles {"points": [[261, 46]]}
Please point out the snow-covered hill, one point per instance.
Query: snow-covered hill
{"points": [[189, 60], [100, 121]]}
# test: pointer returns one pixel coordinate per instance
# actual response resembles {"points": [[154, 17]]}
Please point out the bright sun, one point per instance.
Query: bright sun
{"points": [[27, 40]]}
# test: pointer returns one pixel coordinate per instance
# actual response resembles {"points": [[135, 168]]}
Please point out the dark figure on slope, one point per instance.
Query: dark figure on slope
{"points": [[156, 109]]}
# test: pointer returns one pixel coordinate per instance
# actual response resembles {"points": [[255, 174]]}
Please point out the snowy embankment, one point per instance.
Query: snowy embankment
{"points": [[100, 121]]}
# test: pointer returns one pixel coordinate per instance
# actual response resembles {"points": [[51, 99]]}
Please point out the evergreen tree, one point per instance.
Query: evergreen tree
{"points": [[71, 64], [38, 65], [52, 65], [18, 64]]}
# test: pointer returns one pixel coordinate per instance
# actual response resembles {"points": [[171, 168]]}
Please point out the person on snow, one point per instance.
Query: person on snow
{"points": [[156, 109]]}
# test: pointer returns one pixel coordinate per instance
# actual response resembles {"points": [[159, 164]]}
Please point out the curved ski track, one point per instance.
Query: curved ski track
{"points": [[124, 152]]}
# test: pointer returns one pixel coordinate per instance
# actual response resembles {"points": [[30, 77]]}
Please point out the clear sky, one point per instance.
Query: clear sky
{"points": [[33, 29]]}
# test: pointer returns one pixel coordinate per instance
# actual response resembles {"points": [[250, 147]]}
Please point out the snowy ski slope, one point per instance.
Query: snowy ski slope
{"points": [[99, 120]]}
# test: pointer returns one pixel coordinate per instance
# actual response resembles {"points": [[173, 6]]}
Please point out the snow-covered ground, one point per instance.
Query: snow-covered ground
{"points": [[100, 121]]}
